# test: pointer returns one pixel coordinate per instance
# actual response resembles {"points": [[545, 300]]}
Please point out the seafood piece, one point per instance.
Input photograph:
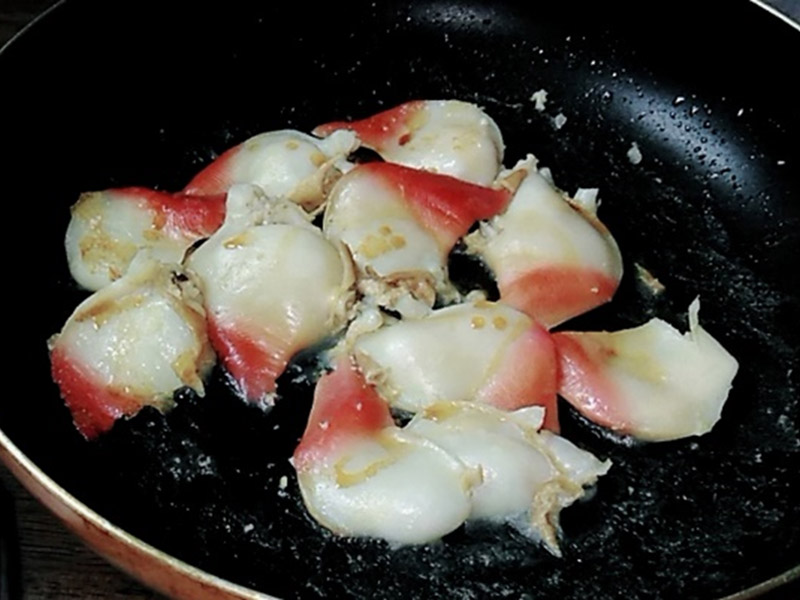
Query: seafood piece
{"points": [[552, 259], [442, 136], [481, 351], [272, 284], [130, 345], [109, 228], [526, 475], [287, 164], [400, 224], [361, 475], [651, 381]]}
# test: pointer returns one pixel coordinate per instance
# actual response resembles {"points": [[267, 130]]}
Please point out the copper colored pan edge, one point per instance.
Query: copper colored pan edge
{"points": [[757, 590], [165, 573], [160, 571]]}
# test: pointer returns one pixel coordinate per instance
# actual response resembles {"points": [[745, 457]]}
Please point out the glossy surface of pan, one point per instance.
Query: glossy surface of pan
{"points": [[108, 94]]}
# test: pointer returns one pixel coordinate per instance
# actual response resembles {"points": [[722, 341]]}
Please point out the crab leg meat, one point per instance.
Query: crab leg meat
{"points": [[552, 259], [361, 475], [449, 137], [286, 164], [273, 285], [650, 382], [400, 223], [527, 476], [109, 228], [482, 351], [131, 344]]}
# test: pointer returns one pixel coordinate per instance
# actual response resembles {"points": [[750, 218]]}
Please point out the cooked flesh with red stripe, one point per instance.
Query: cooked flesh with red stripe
{"points": [[442, 136], [400, 224], [477, 352], [361, 475], [109, 228], [552, 259], [131, 344], [286, 164], [651, 382], [273, 285]]}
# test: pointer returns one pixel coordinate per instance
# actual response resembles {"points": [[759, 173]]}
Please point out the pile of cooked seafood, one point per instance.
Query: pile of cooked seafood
{"points": [[439, 406]]}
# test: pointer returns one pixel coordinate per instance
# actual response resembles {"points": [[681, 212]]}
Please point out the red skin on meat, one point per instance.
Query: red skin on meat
{"points": [[528, 377], [182, 214], [445, 206], [254, 360], [379, 130], [345, 407], [216, 177], [582, 380], [94, 406], [554, 294]]}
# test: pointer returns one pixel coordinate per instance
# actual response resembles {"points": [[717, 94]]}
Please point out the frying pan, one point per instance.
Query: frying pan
{"points": [[100, 94]]}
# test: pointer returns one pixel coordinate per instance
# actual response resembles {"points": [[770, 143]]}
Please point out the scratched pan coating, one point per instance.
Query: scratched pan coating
{"points": [[104, 94]]}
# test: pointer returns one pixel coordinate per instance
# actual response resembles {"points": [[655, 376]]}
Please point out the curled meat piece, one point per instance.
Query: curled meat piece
{"points": [[526, 475], [107, 229], [360, 475], [480, 351], [651, 382], [287, 164], [552, 259], [449, 137], [131, 344], [400, 225], [272, 285]]}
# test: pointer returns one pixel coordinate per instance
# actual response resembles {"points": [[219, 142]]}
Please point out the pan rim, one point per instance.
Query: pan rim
{"points": [[768, 585], [17, 461], [30, 24], [12, 457], [771, 10]]}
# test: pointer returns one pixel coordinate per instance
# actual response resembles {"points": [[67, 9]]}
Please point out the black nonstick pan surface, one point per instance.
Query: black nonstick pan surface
{"points": [[101, 94]]}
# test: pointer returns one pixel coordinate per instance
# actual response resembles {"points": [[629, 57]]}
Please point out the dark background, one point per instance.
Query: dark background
{"points": [[53, 563]]}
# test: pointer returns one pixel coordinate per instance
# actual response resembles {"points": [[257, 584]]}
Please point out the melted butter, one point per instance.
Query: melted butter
{"points": [[441, 411], [477, 322], [373, 246], [236, 241], [394, 448], [317, 158]]}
